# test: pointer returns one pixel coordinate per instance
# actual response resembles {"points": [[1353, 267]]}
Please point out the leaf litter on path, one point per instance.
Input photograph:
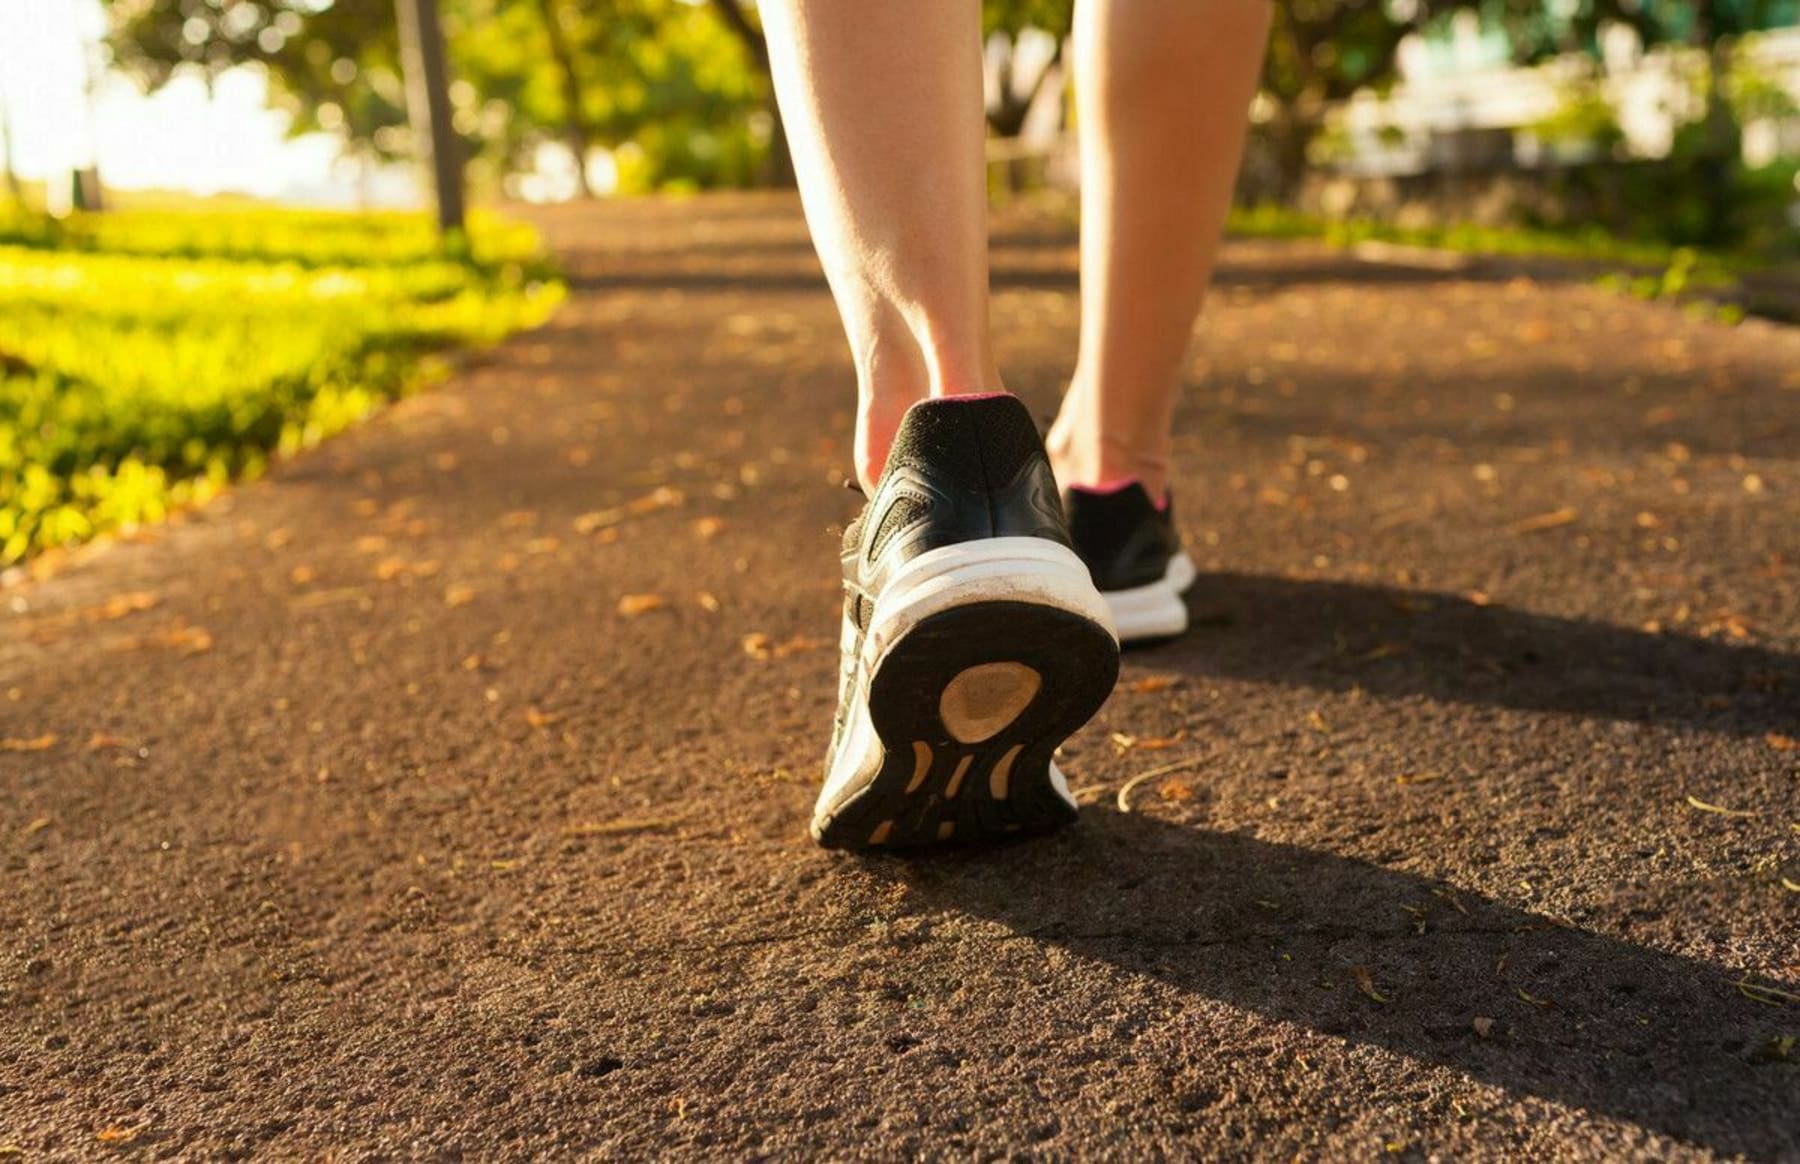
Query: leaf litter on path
{"points": [[1543, 521], [1131, 785], [1704, 806], [1365, 982], [623, 826]]}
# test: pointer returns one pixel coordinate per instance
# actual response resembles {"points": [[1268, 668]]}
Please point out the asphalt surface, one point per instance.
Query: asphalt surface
{"points": [[444, 793]]}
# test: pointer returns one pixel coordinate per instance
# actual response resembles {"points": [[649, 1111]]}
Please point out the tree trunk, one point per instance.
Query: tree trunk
{"points": [[1291, 133], [1721, 136], [428, 107], [13, 185], [574, 126], [778, 165]]}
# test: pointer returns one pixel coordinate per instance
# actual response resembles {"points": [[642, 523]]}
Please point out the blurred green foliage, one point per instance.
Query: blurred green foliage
{"points": [[681, 85], [1699, 194], [1710, 281], [148, 357]]}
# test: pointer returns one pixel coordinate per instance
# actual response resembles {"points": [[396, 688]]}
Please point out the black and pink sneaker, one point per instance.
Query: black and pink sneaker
{"points": [[1134, 554], [974, 641]]}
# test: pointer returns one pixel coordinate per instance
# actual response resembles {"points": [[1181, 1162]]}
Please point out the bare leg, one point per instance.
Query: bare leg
{"points": [[883, 106], [1162, 90]]}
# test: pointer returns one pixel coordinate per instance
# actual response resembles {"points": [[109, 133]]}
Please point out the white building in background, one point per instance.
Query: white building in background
{"points": [[1463, 84]]}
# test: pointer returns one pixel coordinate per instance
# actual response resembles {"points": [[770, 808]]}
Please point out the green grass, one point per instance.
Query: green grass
{"points": [[147, 357], [1647, 270], [1592, 245]]}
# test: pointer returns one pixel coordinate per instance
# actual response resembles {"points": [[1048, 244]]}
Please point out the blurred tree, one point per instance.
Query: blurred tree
{"points": [[1706, 151], [557, 18], [778, 167], [428, 109], [1013, 90], [1321, 52], [663, 76]]}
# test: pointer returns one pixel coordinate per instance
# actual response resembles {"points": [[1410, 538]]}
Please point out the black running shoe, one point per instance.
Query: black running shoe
{"points": [[1134, 554], [974, 642]]}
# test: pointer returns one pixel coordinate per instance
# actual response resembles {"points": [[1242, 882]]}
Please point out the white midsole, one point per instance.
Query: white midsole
{"points": [[1008, 569], [1154, 610], [990, 570]]}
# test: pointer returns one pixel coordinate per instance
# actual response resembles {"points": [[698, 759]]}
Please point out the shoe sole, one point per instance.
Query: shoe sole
{"points": [[1156, 611], [967, 705]]}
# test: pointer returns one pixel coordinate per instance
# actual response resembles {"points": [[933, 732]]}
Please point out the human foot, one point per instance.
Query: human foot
{"points": [[1131, 548], [974, 641]]}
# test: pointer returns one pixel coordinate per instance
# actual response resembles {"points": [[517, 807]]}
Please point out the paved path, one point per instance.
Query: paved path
{"points": [[445, 792]]}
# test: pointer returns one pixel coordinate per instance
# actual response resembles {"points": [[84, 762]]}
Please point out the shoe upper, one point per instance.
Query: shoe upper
{"points": [[961, 468], [1125, 539]]}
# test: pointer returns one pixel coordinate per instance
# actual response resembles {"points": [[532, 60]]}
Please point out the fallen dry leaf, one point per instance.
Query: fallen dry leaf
{"points": [[1365, 982], [459, 595], [632, 605], [1176, 790], [661, 498], [41, 743], [1151, 684], [1781, 743], [189, 640], [100, 741], [541, 719], [38, 825], [1542, 521], [709, 527], [1381, 651], [120, 605], [759, 646], [301, 575]]}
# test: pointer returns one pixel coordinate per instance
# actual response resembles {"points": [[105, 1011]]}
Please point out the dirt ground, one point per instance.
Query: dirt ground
{"points": [[444, 793]]}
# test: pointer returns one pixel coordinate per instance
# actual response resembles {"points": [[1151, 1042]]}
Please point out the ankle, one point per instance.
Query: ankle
{"points": [[882, 405], [878, 419], [1081, 455]]}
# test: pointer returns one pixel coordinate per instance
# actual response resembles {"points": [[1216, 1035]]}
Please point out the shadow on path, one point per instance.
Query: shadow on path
{"points": [[1592, 1022], [789, 265], [1339, 635]]}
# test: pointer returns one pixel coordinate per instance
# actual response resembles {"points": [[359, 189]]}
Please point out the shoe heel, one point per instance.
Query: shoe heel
{"points": [[968, 709]]}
